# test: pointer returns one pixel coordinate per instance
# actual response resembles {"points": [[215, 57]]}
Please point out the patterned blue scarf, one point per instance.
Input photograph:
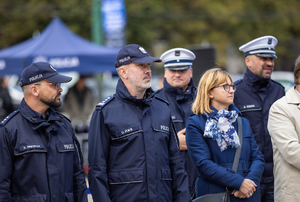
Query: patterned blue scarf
{"points": [[220, 129]]}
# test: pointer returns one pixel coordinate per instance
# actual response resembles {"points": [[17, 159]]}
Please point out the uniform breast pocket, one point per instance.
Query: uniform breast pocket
{"points": [[65, 147], [161, 124], [161, 128], [66, 151], [162, 131], [27, 156]]}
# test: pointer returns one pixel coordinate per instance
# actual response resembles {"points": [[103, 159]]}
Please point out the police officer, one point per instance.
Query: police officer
{"points": [[179, 90], [254, 95], [40, 157], [133, 149]]}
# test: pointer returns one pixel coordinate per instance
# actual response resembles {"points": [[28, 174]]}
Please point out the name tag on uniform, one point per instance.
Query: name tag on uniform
{"points": [[127, 130], [249, 107], [32, 146]]}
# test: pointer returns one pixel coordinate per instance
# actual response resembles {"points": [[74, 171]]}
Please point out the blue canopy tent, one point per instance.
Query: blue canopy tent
{"points": [[60, 47]]}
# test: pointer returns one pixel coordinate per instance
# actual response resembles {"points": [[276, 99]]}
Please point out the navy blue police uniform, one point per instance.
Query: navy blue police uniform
{"points": [[180, 60], [133, 150], [253, 97], [40, 158], [180, 103]]}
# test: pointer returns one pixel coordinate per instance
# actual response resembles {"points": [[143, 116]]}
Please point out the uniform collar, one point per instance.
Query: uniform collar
{"points": [[123, 93], [255, 81], [178, 91], [35, 117]]}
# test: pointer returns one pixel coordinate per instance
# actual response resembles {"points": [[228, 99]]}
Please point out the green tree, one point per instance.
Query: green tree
{"points": [[183, 22], [177, 22], [19, 19]]}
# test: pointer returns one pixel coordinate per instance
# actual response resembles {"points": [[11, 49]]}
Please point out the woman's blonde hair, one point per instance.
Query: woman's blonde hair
{"points": [[210, 79]]}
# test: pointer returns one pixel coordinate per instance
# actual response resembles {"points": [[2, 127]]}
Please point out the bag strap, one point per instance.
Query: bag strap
{"points": [[238, 149]]}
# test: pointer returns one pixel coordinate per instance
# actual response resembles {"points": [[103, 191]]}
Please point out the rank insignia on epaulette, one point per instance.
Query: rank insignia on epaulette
{"points": [[105, 101], [4, 121]]}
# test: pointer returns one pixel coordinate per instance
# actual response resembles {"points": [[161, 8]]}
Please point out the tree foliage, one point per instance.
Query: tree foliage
{"points": [[178, 23], [19, 19]]}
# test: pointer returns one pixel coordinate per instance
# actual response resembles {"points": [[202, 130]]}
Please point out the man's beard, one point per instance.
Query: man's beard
{"points": [[52, 102]]}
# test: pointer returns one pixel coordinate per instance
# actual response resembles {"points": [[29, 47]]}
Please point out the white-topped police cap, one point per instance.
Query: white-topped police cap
{"points": [[261, 47], [178, 59]]}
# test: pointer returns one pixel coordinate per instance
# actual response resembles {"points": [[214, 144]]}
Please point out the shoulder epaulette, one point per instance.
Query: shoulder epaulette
{"points": [[6, 119], [238, 81], [105, 102], [162, 100], [63, 116]]}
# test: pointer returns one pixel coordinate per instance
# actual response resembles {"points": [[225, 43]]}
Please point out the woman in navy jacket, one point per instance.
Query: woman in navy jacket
{"points": [[211, 137]]}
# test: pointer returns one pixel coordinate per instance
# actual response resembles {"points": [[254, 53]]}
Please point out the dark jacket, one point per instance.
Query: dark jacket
{"points": [[180, 104], [215, 167], [6, 105], [133, 151], [40, 159], [254, 97]]}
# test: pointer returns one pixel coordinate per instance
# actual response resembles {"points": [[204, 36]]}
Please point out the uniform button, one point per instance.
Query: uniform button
{"points": [[33, 119]]}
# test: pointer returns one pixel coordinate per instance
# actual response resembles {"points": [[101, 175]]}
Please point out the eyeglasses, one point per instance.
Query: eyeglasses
{"points": [[57, 85], [227, 87]]}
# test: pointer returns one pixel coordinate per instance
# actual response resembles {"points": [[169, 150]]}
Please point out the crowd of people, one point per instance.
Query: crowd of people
{"points": [[180, 143]]}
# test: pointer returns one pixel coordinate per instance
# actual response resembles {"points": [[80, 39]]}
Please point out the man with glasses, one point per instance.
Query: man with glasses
{"points": [[40, 157], [179, 90], [254, 95]]}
